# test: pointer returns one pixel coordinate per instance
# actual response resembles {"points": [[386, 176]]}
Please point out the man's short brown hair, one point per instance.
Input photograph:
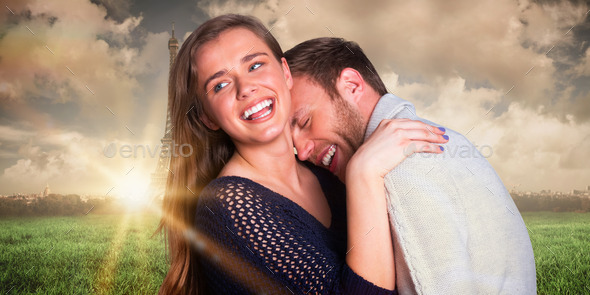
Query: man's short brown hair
{"points": [[323, 59]]}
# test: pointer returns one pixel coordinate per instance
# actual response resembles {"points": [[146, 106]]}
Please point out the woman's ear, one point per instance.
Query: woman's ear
{"points": [[350, 85], [210, 124], [287, 73]]}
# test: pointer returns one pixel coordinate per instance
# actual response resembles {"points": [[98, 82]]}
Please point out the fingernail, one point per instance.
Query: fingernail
{"points": [[446, 137], [441, 148], [442, 129]]}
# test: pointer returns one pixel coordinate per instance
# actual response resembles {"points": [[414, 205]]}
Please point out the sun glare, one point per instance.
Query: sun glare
{"points": [[133, 191]]}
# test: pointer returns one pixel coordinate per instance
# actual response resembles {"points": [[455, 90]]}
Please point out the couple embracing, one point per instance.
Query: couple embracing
{"points": [[308, 177]]}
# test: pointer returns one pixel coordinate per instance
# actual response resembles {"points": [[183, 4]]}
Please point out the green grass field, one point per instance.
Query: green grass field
{"points": [[101, 254], [115, 254], [561, 242]]}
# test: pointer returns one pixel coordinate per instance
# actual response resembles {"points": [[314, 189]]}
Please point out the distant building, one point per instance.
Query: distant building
{"points": [[160, 176], [46, 191]]}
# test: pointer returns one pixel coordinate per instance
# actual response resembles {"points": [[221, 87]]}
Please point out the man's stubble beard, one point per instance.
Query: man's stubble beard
{"points": [[349, 123]]}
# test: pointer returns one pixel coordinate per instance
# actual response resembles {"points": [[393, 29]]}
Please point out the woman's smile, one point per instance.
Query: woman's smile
{"points": [[259, 111]]}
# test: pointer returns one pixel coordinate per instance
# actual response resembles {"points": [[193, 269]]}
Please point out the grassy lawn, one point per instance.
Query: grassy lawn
{"points": [[102, 254], [561, 242], [116, 254]]}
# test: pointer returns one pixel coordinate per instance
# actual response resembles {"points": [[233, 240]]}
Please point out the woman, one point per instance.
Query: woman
{"points": [[263, 221]]}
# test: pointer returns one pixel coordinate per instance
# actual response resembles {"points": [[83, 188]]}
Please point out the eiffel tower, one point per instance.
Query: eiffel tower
{"points": [[160, 175]]}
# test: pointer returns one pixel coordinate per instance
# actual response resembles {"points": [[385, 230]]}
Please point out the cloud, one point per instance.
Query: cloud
{"points": [[528, 149], [38, 166], [546, 24], [114, 81], [118, 10], [73, 163], [83, 58], [583, 68], [8, 134], [576, 155], [69, 59], [541, 152]]}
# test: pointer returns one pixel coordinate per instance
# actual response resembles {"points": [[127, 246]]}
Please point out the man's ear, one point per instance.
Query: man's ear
{"points": [[350, 85], [287, 73], [210, 124]]}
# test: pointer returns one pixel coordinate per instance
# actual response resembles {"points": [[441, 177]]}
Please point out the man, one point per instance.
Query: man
{"points": [[455, 227]]}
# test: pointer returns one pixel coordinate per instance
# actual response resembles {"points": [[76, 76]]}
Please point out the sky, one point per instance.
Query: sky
{"points": [[83, 84]]}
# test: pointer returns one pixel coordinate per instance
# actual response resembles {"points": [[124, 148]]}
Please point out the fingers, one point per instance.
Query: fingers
{"points": [[412, 124], [422, 135], [405, 129], [422, 147]]}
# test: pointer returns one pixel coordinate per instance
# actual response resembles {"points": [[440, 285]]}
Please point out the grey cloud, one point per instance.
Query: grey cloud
{"points": [[118, 10], [576, 156]]}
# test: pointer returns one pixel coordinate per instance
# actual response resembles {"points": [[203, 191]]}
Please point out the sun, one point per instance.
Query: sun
{"points": [[133, 191]]}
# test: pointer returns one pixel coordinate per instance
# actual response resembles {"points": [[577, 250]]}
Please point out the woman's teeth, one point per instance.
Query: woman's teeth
{"points": [[327, 159], [257, 108]]}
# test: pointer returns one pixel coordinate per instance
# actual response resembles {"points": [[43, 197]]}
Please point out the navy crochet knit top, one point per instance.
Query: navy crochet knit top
{"points": [[255, 241]]}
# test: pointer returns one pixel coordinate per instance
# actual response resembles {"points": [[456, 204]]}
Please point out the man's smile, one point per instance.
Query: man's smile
{"points": [[327, 157]]}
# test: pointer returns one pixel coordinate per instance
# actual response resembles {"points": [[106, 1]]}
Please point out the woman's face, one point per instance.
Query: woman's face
{"points": [[245, 90]]}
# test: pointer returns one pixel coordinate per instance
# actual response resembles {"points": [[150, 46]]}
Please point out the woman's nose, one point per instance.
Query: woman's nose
{"points": [[246, 88]]}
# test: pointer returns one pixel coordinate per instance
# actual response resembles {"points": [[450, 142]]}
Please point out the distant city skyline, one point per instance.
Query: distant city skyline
{"points": [[46, 190], [83, 84]]}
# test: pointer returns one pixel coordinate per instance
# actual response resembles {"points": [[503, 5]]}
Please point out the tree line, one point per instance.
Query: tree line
{"points": [[62, 205], [547, 202], [58, 205]]}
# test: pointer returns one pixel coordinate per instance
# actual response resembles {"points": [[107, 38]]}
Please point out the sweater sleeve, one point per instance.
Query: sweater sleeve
{"points": [[265, 244]]}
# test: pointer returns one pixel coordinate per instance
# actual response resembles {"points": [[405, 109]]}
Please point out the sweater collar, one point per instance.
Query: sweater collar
{"points": [[388, 106]]}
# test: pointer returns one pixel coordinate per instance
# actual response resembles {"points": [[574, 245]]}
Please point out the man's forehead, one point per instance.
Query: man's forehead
{"points": [[311, 85], [300, 110]]}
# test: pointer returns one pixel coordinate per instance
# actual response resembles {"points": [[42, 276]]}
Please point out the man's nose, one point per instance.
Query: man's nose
{"points": [[304, 148]]}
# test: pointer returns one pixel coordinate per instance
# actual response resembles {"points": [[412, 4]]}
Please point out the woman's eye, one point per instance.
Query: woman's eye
{"points": [[255, 66], [219, 86]]}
